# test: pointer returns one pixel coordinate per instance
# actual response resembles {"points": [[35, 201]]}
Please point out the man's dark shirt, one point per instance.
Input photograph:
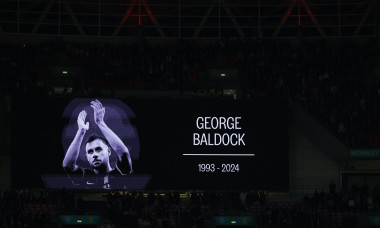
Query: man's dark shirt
{"points": [[85, 178], [110, 180]]}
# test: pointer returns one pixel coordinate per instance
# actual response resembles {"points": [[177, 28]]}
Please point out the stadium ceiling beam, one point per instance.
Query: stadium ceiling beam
{"points": [[274, 10], [204, 19], [124, 19], [285, 18], [153, 18], [353, 10], [289, 11], [25, 8], [249, 19], [321, 31], [364, 18], [233, 19], [42, 17], [74, 18], [128, 13]]}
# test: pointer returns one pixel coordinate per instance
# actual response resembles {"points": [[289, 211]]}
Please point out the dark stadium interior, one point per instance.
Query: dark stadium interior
{"points": [[292, 87]]}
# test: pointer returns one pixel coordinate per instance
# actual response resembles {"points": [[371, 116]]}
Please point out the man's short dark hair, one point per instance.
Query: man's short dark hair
{"points": [[95, 137]]}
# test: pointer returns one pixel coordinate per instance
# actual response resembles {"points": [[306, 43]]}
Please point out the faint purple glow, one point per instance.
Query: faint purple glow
{"points": [[135, 182]]}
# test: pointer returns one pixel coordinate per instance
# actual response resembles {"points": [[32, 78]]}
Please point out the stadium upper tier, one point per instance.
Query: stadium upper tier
{"points": [[333, 80]]}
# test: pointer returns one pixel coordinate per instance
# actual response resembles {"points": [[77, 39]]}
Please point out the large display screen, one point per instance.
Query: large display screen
{"points": [[98, 143]]}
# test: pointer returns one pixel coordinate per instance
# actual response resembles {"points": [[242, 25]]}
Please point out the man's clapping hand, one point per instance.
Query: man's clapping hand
{"points": [[81, 121]]}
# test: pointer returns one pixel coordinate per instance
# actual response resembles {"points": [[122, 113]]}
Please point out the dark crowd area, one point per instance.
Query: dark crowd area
{"points": [[331, 208], [333, 80]]}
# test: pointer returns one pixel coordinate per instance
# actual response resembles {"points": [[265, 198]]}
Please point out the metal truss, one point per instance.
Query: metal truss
{"points": [[191, 18]]}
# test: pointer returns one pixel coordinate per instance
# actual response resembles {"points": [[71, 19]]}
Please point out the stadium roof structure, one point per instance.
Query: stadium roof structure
{"points": [[191, 18]]}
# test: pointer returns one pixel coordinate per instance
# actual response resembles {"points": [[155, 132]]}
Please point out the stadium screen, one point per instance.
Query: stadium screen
{"points": [[97, 143]]}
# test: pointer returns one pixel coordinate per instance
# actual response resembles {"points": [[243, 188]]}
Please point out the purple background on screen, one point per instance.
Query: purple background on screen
{"points": [[131, 182], [117, 117]]}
